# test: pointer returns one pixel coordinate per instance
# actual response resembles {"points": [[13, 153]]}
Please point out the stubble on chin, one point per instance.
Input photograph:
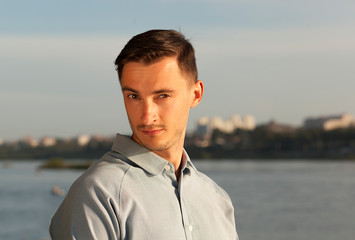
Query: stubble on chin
{"points": [[149, 146]]}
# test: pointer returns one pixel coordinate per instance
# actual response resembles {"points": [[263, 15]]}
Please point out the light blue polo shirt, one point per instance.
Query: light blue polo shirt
{"points": [[133, 194]]}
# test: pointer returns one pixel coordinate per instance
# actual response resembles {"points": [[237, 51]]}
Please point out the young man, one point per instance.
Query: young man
{"points": [[146, 187]]}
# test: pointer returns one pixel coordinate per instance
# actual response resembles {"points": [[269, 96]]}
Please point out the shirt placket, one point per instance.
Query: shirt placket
{"points": [[188, 224], [188, 227]]}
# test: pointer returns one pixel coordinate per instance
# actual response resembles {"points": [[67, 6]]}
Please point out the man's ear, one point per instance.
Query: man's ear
{"points": [[198, 92]]}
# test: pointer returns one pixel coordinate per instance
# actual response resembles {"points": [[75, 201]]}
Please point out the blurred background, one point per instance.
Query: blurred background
{"points": [[271, 59], [279, 79]]}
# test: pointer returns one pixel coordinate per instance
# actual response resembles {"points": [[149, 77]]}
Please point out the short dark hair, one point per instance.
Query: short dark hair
{"points": [[155, 44]]}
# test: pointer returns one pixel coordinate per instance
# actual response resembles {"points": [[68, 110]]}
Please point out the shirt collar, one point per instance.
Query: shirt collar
{"points": [[138, 154], [187, 161], [143, 157]]}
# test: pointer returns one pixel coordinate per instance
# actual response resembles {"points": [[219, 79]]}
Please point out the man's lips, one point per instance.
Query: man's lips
{"points": [[152, 132]]}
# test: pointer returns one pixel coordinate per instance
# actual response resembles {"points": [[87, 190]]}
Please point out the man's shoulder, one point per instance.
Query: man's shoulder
{"points": [[96, 189], [107, 173]]}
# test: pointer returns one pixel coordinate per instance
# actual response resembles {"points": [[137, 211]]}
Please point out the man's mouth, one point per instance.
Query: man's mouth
{"points": [[152, 132]]}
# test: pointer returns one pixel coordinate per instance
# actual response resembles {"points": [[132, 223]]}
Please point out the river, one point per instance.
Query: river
{"points": [[274, 200]]}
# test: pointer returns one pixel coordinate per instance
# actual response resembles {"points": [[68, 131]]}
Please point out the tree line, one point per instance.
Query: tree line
{"points": [[263, 143], [260, 143]]}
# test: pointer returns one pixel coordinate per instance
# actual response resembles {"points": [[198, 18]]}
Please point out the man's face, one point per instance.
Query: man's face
{"points": [[158, 98]]}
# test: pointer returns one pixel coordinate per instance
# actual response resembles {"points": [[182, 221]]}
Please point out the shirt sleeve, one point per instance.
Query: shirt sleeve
{"points": [[88, 212]]}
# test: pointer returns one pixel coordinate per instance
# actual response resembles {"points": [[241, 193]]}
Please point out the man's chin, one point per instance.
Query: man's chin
{"points": [[154, 146], [151, 143]]}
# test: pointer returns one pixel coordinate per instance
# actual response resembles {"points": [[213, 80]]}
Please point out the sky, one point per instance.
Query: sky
{"points": [[275, 60]]}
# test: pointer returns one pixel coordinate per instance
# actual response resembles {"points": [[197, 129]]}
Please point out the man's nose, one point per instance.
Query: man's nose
{"points": [[149, 113]]}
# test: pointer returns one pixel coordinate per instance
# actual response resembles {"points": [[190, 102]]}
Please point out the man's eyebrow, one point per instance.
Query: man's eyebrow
{"points": [[164, 90], [129, 89]]}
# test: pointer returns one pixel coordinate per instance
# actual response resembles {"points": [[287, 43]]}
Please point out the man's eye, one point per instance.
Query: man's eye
{"points": [[133, 96], [164, 96]]}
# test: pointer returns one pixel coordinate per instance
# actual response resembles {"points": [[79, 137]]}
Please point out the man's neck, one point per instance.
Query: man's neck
{"points": [[173, 156]]}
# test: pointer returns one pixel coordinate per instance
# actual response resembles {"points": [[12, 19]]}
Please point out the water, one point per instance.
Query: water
{"points": [[273, 200], [293, 201], [26, 199]]}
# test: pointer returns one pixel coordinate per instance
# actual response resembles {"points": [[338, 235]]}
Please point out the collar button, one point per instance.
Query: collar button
{"points": [[167, 167]]}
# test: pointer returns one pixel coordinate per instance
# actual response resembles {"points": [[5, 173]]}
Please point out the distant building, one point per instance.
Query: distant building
{"points": [[83, 139], [277, 127], [202, 126], [1, 141], [331, 122], [48, 141], [99, 138], [205, 125], [218, 124], [248, 123], [30, 141]]}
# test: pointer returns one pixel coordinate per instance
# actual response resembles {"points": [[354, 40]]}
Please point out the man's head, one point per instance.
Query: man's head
{"points": [[154, 45], [159, 88]]}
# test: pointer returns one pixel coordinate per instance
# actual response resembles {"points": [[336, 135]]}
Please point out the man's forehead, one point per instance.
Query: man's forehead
{"points": [[166, 68], [157, 65]]}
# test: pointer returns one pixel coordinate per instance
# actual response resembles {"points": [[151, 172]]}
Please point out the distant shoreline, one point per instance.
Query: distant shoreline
{"points": [[262, 143]]}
